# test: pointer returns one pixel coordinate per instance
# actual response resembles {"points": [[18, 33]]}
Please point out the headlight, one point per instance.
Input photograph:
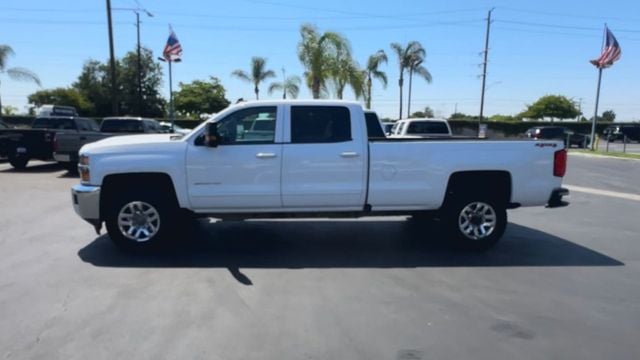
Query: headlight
{"points": [[83, 169]]}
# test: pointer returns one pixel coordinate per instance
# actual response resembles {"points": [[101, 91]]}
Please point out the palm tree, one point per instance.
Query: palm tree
{"points": [[15, 73], [405, 56], [258, 74], [415, 66], [291, 86], [345, 71], [372, 72], [316, 52]]}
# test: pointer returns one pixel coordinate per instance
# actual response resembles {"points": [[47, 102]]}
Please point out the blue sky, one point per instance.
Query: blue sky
{"points": [[535, 48]]}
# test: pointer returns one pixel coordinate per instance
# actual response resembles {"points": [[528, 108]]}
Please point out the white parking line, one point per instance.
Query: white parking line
{"points": [[621, 195]]}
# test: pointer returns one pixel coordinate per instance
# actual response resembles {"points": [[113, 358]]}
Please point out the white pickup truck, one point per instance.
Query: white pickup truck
{"points": [[291, 158]]}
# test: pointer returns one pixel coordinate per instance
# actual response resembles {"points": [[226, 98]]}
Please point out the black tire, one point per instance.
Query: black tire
{"points": [[151, 201], [71, 167], [18, 162], [474, 211]]}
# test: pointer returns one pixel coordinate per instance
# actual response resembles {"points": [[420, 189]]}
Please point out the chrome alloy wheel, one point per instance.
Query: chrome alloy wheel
{"points": [[138, 221], [477, 220]]}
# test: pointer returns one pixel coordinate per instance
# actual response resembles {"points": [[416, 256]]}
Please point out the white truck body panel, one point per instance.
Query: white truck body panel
{"points": [[344, 176]]}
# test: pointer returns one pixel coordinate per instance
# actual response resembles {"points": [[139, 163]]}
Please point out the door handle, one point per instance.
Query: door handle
{"points": [[265, 155], [349, 154]]}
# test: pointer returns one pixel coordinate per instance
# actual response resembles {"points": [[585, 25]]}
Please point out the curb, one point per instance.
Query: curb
{"points": [[601, 156]]}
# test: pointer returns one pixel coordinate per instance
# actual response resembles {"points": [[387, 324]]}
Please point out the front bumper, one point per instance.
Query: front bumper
{"points": [[555, 200], [86, 203]]}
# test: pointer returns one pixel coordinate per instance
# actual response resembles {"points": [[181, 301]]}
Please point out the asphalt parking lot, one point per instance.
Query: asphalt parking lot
{"points": [[563, 283]]}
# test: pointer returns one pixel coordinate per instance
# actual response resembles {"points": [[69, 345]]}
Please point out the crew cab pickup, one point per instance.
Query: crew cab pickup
{"points": [[68, 142], [293, 158]]}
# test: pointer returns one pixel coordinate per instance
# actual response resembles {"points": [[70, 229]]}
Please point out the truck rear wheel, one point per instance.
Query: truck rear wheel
{"points": [[18, 162], [140, 220], [476, 224]]}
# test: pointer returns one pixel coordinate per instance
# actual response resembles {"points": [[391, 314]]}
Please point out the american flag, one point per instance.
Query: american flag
{"points": [[173, 49], [610, 53]]}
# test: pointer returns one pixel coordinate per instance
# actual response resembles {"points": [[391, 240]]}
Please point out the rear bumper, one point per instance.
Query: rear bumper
{"points": [[86, 203], [65, 158], [555, 200]]}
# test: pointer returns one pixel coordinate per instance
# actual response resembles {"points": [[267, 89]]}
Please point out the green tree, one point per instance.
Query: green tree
{"points": [[345, 71], [291, 86], [258, 73], [405, 57], [373, 63], [553, 107], [504, 118], [14, 73], [153, 104], [94, 84], [608, 116], [462, 116], [427, 113], [9, 110], [61, 96], [415, 66], [200, 97], [316, 52]]}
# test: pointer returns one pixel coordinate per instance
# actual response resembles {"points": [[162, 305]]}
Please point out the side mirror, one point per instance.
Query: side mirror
{"points": [[212, 138]]}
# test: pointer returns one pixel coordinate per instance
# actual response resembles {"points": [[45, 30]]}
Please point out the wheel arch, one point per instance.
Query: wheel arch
{"points": [[153, 181], [495, 183]]}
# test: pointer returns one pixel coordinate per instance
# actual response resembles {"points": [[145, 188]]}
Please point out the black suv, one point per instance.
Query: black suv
{"points": [[617, 132], [558, 133]]}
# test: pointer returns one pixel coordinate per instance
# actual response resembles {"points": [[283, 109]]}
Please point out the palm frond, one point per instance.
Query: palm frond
{"points": [[5, 52], [276, 86], [380, 75], [240, 74], [23, 74], [423, 73]]}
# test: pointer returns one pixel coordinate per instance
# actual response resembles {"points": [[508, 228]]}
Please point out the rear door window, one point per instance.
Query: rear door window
{"points": [[374, 128], [320, 124]]}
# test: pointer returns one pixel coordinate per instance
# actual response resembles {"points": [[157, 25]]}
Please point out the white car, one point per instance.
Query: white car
{"points": [[313, 159], [166, 126], [421, 128]]}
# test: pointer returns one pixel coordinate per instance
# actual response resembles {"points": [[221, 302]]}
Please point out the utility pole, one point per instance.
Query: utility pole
{"points": [[484, 67], [284, 84], [112, 62], [137, 11]]}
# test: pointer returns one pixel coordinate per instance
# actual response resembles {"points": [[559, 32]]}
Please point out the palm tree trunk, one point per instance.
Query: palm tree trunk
{"points": [[409, 95], [257, 91], [400, 82], [369, 91], [315, 88]]}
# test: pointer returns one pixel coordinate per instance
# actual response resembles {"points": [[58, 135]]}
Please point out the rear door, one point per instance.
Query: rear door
{"points": [[324, 158]]}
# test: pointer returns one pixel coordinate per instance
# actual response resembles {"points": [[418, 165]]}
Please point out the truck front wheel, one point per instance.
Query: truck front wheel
{"points": [[140, 221], [18, 162], [478, 224]]}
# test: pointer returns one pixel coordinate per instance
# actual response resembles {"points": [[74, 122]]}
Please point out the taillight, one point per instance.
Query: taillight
{"points": [[560, 163]]}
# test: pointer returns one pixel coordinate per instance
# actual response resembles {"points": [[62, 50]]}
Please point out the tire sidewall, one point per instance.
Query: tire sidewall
{"points": [[165, 211], [18, 162], [460, 240]]}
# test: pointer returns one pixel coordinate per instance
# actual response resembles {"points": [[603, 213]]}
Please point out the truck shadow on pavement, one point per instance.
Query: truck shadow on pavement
{"points": [[35, 169], [342, 244]]}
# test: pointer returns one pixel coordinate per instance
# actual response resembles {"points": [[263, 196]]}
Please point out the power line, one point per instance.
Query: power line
{"points": [[572, 15], [571, 27]]}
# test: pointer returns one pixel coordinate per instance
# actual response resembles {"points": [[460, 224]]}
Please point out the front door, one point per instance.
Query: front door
{"points": [[243, 172]]}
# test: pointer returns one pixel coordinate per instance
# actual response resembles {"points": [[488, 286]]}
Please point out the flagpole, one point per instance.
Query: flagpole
{"points": [[171, 96], [595, 115]]}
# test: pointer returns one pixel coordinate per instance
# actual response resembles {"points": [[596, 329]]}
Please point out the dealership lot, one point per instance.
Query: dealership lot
{"points": [[563, 283]]}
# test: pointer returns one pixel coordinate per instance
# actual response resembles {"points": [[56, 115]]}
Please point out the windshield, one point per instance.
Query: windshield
{"points": [[129, 126], [54, 123], [428, 127]]}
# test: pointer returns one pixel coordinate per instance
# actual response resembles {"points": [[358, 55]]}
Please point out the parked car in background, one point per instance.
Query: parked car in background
{"points": [[618, 132], [559, 133], [421, 128], [22, 145], [69, 141], [166, 127]]}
